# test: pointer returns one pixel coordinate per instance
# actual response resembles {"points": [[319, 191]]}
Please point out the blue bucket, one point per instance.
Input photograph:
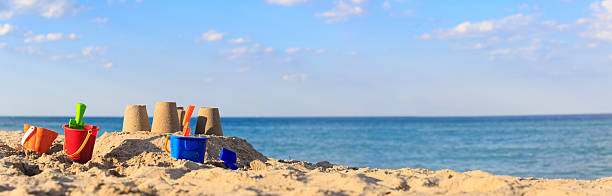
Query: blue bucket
{"points": [[190, 148]]}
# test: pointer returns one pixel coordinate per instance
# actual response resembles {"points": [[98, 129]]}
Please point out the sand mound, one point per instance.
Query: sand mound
{"points": [[128, 148], [135, 164]]}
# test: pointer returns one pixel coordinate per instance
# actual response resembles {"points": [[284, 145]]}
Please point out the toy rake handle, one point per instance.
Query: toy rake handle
{"points": [[188, 114], [80, 111], [186, 129]]}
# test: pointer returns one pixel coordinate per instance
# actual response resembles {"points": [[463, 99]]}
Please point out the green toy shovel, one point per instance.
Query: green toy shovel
{"points": [[78, 122]]}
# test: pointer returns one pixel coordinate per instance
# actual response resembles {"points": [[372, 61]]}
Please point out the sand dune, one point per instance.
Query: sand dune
{"points": [[135, 164]]}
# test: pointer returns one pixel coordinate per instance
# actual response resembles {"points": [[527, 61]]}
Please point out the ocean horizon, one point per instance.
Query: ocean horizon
{"points": [[542, 146], [356, 116]]}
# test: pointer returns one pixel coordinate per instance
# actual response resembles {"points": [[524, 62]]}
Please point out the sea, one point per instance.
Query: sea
{"points": [[542, 146]]}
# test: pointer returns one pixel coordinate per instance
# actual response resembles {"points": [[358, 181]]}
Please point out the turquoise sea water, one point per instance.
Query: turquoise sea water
{"points": [[564, 146]]}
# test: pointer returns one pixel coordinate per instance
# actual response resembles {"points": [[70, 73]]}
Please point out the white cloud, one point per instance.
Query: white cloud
{"points": [[478, 46], [342, 10], [246, 51], [535, 50], [48, 37], [240, 40], [238, 52], [286, 2], [295, 77], [386, 5], [352, 53], [592, 45], [99, 20], [94, 51], [44, 8], [29, 50], [425, 36], [3, 44], [582, 20], [600, 22], [505, 27], [108, 65], [42, 37], [211, 36], [319, 51], [6, 14], [514, 37], [292, 50], [72, 36], [471, 46], [268, 50], [59, 58], [6, 28]]}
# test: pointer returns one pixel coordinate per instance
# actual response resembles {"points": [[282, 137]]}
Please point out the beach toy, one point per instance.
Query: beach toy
{"points": [[165, 118], [229, 158], [190, 148], [79, 143], [78, 122], [209, 122], [135, 118], [181, 114], [37, 138], [186, 129]]}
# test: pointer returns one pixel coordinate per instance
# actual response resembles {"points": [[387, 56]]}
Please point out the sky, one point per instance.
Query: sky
{"points": [[307, 57]]}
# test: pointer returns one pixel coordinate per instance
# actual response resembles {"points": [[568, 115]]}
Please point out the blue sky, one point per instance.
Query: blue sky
{"points": [[307, 57]]}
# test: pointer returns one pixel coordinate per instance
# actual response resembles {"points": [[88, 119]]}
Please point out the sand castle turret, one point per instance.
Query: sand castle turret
{"points": [[135, 118], [209, 121], [165, 118], [181, 115]]}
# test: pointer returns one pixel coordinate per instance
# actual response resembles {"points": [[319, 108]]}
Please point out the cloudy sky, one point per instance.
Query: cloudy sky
{"points": [[307, 57]]}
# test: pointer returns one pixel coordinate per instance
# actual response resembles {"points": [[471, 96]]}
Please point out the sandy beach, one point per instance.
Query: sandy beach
{"points": [[135, 164]]}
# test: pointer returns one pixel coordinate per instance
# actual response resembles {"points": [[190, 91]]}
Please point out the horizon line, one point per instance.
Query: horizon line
{"points": [[362, 116]]}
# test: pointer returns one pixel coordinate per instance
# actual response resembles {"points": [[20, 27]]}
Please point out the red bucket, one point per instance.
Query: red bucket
{"points": [[79, 143]]}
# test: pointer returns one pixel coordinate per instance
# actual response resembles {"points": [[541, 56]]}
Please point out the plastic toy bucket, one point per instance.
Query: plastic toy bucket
{"points": [[190, 148], [79, 143], [38, 139]]}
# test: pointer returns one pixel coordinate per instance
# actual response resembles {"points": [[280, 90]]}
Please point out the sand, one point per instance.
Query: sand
{"points": [[209, 121], [165, 118], [134, 163], [135, 118]]}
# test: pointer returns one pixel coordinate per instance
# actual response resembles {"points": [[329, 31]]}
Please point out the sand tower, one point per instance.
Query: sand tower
{"points": [[181, 115], [135, 118], [165, 118], [209, 121]]}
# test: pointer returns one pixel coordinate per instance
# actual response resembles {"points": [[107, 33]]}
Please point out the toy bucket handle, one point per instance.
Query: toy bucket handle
{"points": [[80, 148], [166, 144], [28, 135]]}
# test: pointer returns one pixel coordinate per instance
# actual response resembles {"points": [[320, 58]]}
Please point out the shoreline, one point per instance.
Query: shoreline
{"points": [[134, 163]]}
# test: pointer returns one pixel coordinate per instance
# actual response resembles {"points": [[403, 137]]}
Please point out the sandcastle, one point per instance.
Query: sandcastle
{"points": [[209, 122], [181, 114], [170, 119], [165, 118], [135, 118]]}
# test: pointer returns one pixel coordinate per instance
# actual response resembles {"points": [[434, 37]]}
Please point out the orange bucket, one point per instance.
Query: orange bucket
{"points": [[37, 138]]}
